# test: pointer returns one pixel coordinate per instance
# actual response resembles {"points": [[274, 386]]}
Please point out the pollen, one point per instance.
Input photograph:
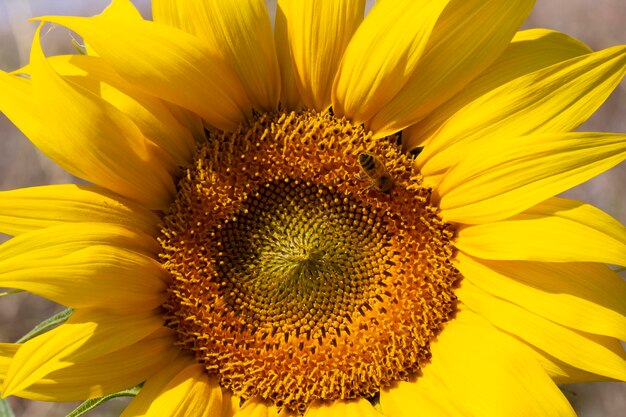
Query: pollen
{"points": [[294, 277]]}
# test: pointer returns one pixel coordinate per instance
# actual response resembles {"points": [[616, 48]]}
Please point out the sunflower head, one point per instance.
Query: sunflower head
{"points": [[338, 215], [294, 280]]}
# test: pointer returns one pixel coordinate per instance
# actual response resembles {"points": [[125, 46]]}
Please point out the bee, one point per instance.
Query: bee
{"points": [[375, 172]]}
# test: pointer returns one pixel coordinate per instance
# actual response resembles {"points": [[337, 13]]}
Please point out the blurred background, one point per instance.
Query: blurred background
{"points": [[598, 23]]}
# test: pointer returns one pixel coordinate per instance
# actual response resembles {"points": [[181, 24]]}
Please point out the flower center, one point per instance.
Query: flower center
{"points": [[308, 261]]}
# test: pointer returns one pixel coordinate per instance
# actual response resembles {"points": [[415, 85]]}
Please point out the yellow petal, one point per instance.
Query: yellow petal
{"points": [[558, 230], [172, 65], [489, 374], [85, 135], [583, 296], [189, 120], [592, 353], [289, 96], [500, 178], [122, 9], [56, 241], [169, 126], [561, 372], [155, 384], [529, 51], [27, 209], [555, 99], [180, 390], [85, 265], [18, 104], [153, 117], [402, 399], [106, 374], [7, 352], [341, 408], [468, 37], [118, 9], [230, 403], [87, 335], [318, 33], [257, 407], [383, 53], [240, 32]]}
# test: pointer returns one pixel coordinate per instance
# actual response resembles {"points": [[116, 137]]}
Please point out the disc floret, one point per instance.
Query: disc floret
{"points": [[294, 280]]}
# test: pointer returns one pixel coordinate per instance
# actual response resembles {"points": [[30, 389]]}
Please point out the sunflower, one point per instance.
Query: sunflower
{"points": [[344, 216]]}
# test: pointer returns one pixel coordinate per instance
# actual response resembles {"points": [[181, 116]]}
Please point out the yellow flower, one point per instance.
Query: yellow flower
{"points": [[346, 216]]}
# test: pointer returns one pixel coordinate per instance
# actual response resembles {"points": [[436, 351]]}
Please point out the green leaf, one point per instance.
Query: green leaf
{"points": [[47, 324], [5, 409], [91, 404], [10, 292]]}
